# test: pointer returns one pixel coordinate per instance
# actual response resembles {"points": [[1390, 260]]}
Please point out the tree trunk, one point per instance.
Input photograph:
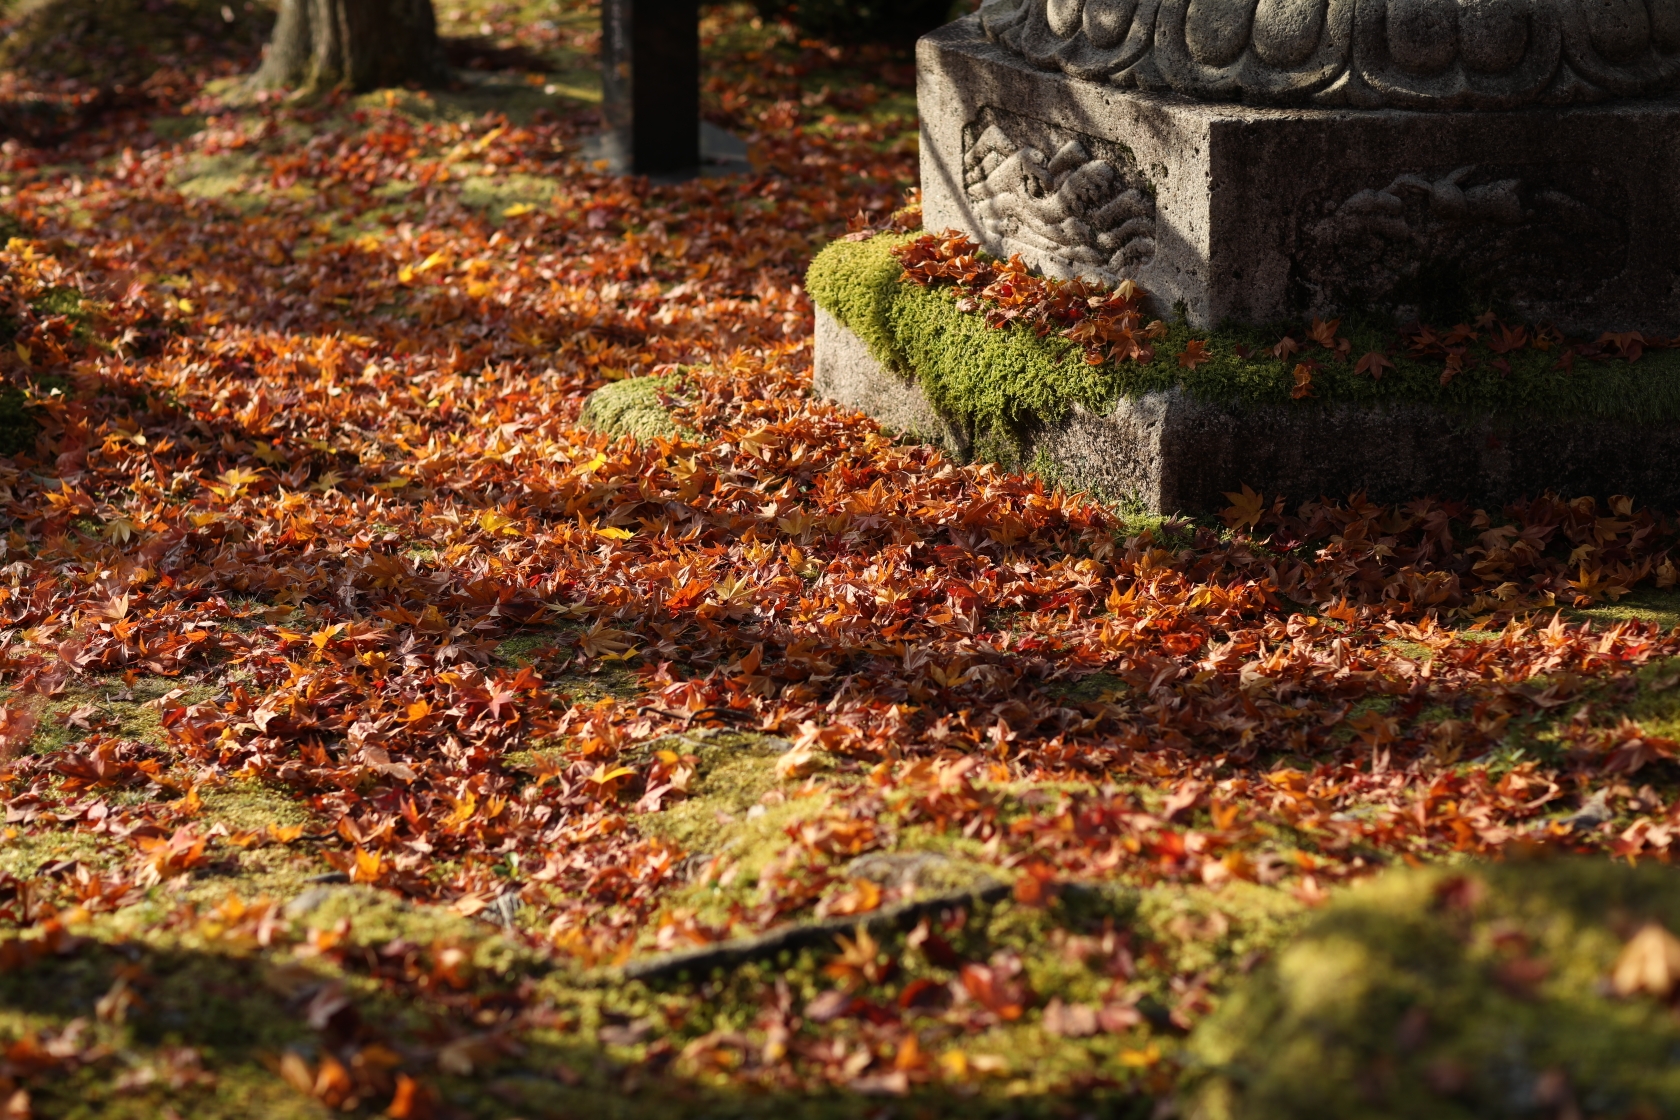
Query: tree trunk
{"points": [[353, 44]]}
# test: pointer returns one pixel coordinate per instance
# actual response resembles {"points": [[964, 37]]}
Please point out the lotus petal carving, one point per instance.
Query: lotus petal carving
{"points": [[1410, 54]]}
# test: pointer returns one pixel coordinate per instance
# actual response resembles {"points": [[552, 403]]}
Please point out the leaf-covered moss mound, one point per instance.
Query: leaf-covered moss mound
{"points": [[633, 407], [984, 376], [1440, 994]]}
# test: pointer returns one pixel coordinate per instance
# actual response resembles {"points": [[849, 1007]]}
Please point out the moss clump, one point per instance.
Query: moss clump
{"points": [[60, 300], [633, 407], [1442, 994], [1011, 378]]}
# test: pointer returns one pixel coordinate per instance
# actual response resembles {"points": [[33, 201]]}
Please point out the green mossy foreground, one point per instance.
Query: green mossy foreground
{"points": [[986, 378], [1481, 992]]}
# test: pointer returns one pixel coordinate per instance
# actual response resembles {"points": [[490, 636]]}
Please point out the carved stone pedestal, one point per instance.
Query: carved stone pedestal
{"points": [[1563, 212]]}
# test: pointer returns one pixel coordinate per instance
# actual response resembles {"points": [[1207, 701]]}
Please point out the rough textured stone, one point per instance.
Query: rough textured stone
{"points": [[1413, 54], [845, 372], [1170, 452], [1255, 214]]}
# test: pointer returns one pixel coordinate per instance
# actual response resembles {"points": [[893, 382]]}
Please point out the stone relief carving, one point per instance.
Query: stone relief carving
{"points": [[1505, 234], [1073, 198], [1413, 54]]}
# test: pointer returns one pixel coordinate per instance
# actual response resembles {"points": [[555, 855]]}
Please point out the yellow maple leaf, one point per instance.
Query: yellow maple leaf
{"points": [[1649, 963], [1245, 509]]}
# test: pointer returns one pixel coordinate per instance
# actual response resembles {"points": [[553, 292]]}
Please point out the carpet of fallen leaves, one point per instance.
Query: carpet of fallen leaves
{"points": [[309, 527]]}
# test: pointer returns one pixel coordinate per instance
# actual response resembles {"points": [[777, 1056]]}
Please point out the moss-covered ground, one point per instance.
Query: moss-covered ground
{"points": [[250, 977], [1487, 991], [173, 1002]]}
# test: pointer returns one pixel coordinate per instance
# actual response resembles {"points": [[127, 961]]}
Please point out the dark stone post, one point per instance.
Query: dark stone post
{"points": [[650, 60]]}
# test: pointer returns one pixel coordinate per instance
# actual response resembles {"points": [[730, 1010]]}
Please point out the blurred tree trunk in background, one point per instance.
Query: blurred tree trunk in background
{"points": [[355, 44]]}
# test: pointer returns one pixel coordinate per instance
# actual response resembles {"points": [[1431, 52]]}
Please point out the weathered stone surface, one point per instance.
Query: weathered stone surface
{"points": [[1170, 452], [1257, 214], [1412, 54], [846, 373]]}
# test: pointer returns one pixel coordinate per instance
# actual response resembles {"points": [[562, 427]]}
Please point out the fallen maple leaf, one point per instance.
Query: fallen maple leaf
{"points": [[1629, 344], [1246, 508], [797, 763], [859, 960], [411, 1101], [1649, 963], [861, 897], [995, 988], [1374, 363], [1070, 1020]]}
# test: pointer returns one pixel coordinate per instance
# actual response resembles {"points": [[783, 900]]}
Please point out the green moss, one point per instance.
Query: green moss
{"points": [[527, 649], [117, 708], [1648, 604], [497, 193], [59, 300], [1424, 994], [1001, 380], [215, 1004], [1092, 688], [633, 407], [218, 176]]}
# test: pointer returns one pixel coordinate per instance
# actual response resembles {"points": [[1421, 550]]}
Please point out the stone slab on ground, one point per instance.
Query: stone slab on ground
{"points": [[1256, 214], [847, 373], [1170, 452]]}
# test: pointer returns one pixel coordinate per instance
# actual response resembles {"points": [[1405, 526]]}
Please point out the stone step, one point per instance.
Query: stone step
{"points": [[1169, 452]]}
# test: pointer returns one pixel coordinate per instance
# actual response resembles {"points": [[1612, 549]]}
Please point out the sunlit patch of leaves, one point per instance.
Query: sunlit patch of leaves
{"points": [[306, 488]]}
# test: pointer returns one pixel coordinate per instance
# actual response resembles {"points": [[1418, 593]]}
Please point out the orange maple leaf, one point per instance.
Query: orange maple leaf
{"points": [[1324, 333], [1373, 363], [1508, 339], [1649, 963], [1195, 354], [1455, 366], [1629, 344]]}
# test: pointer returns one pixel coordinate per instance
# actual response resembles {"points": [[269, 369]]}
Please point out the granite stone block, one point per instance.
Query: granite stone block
{"points": [[1250, 213], [1170, 452], [847, 373]]}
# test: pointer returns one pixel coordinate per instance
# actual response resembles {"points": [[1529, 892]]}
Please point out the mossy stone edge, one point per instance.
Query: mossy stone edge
{"points": [[1170, 438]]}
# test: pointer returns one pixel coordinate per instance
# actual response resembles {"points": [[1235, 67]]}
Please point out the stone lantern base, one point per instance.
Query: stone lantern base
{"points": [[1251, 214], [1168, 452]]}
